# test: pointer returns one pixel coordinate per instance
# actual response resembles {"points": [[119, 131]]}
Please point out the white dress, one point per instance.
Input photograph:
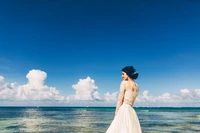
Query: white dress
{"points": [[126, 120]]}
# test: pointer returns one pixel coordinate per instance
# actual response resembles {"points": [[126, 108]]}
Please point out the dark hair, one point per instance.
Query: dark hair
{"points": [[131, 72]]}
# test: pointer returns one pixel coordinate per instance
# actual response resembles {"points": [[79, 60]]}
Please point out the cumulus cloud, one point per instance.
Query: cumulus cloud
{"points": [[36, 78], [185, 97], [34, 90], [110, 97], [85, 90]]}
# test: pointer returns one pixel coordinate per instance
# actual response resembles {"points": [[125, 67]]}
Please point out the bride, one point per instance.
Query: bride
{"points": [[125, 119]]}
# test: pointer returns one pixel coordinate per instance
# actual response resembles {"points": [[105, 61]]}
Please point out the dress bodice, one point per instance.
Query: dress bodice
{"points": [[125, 118], [130, 94], [127, 94]]}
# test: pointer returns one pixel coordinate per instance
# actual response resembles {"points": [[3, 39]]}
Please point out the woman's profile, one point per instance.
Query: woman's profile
{"points": [[125, 119]]}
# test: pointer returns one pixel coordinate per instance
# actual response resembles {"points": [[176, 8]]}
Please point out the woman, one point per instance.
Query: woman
{"points": [[125, 119]]}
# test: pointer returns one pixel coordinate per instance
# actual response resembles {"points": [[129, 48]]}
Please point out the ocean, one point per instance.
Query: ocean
{"points": [[95, 119]]}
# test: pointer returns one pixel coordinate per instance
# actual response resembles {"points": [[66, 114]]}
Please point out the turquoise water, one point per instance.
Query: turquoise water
{"points": [[95, 119]]}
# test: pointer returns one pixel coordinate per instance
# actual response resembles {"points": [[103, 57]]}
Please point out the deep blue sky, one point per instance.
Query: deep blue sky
{"points": [[74, 39]]}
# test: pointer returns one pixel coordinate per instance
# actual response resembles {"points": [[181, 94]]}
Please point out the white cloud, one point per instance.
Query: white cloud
{"points": [[85, 90], [34, 90], [36, 78], [185, 97], [110, 97]]}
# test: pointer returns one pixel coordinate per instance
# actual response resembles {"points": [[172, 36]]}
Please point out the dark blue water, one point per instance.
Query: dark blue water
{"points": [[95, 119]]}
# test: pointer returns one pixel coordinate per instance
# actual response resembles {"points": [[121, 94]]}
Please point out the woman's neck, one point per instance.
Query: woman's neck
{"points": [[129, 79]]}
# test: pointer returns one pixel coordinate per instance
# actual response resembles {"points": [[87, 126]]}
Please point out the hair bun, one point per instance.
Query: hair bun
{"points": [[131, 72]]}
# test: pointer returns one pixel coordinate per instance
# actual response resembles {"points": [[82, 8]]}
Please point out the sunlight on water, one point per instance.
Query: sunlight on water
{"points": [[94, 120], [32, 121]]}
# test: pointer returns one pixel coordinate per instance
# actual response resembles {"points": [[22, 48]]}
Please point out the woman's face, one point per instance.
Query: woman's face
{"points": [[124, 76]]}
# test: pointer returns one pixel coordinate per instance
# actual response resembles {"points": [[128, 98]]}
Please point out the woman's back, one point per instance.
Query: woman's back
{"points": [[131, 92]]}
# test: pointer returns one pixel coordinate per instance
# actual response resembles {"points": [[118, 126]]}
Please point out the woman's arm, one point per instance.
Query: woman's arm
{"points": [[121, 96]]}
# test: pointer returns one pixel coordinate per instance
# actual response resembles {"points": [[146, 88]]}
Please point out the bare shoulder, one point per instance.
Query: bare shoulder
{"points": [[123, 84]]}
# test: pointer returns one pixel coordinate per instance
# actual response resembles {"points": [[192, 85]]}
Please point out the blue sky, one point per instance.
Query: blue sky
{"points": [[71, 40]]}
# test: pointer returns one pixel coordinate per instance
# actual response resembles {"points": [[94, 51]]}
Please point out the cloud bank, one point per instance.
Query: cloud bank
{"points": [[35, 91], [185, 97], [110, 97]]}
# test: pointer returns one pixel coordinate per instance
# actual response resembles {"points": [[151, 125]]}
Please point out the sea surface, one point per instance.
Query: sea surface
{"points": [[95, 119]]}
